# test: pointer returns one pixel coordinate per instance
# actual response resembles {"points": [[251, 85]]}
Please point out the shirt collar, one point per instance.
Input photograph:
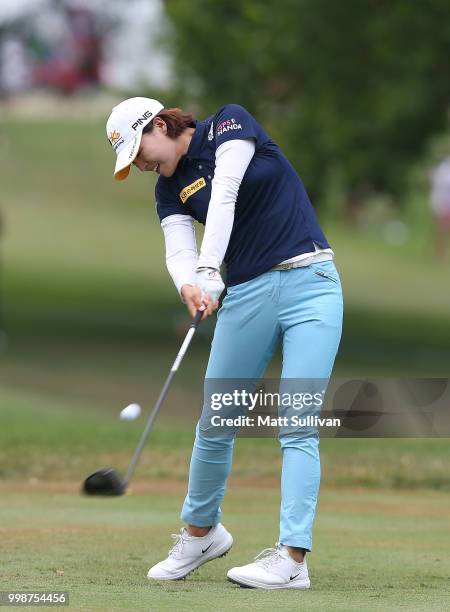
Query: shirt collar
{"points": [[195, 146]]}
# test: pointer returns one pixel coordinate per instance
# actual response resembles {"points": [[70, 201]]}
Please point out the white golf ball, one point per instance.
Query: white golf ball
{"points": [[130, 412]]}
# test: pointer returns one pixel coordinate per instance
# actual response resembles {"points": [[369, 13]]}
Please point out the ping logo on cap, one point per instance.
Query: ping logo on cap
{"points": [[145, 117]]}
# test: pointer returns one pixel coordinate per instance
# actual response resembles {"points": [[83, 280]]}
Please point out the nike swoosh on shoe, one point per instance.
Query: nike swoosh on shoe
{"points": [[207, 548]]}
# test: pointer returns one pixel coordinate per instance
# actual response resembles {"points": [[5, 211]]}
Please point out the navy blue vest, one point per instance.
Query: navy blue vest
{"points": [[274, 219]]}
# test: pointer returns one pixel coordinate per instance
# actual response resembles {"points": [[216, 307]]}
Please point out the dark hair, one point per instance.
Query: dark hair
{"points": [[176, 120]]}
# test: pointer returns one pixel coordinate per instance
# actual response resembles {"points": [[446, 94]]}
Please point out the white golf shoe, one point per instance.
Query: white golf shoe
{"points": [[190, 552], [274, 568]]}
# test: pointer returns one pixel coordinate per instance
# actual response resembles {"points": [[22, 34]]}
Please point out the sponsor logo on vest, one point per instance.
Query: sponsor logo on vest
{"points": [[211, 131], [187, 191], [140, 120], [226, 126]]}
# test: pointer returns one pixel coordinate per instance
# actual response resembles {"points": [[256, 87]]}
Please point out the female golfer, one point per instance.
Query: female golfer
{"points": [[227, 174]]}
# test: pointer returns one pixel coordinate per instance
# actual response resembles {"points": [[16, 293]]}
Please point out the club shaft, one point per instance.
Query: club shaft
{"points": [[137, 453]]}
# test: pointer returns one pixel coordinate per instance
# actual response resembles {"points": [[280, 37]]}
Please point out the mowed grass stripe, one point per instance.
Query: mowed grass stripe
{"points": [[100, 550]]}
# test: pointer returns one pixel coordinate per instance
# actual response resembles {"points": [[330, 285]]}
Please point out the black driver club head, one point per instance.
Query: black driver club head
{"points": [[104, 482]]}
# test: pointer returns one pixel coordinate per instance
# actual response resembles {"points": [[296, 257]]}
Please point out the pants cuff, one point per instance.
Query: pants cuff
{"points": [[297, 543], [199, 520]]}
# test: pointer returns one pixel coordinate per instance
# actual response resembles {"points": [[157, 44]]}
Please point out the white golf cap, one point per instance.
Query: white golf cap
{"points": [[124, 130]]}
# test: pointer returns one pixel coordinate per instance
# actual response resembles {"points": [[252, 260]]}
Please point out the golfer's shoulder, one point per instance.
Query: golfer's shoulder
{"points": [[232, 110], [233, 121]]}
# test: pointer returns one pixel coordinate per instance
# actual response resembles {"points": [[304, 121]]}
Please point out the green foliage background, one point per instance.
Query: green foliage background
{"points": [[352, 90]]}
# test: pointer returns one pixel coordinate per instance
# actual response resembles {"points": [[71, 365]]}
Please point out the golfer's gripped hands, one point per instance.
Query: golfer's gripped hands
{"points": [[192, 297], [205, 294]]}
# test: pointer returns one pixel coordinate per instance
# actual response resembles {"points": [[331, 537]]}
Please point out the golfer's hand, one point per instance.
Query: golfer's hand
{"points": [[192, 297], [210, 282]]}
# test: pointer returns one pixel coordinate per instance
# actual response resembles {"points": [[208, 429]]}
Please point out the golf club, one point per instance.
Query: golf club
{"points": [[107, 481]]}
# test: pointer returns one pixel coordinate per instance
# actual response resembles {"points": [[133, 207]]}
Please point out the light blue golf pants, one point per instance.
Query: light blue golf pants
{"points": [[302, 306]]}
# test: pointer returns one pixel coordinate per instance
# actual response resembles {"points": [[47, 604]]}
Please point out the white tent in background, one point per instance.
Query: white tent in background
{"points": [[125, 65], [10, 10]]}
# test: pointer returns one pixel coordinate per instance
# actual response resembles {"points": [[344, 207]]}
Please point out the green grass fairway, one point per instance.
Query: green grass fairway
{"points": [[373, 551]]}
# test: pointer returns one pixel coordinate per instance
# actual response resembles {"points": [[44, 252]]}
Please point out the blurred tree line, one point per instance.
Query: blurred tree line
{"points": [[352, 90]]}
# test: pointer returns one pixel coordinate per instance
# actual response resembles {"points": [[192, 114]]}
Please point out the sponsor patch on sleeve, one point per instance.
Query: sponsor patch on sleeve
{"points": [[226, 126]]}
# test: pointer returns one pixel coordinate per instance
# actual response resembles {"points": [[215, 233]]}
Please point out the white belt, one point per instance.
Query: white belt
{"points": [[302, 263]]}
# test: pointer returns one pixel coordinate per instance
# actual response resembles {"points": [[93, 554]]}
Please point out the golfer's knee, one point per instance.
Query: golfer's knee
{"points": [[299, 440], [207, 441]]}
